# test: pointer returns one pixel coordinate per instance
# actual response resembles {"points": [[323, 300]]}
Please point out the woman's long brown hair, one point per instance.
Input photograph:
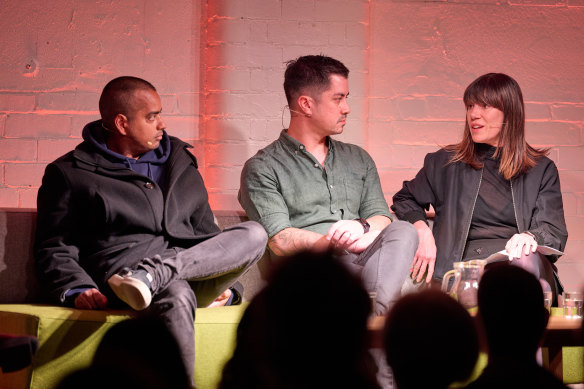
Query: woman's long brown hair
{"points": [[502, 92]]}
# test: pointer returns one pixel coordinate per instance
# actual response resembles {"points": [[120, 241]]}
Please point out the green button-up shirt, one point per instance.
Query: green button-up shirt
{"points": [[284, 186]]}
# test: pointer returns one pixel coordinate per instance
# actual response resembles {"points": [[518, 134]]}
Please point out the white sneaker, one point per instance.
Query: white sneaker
{"points": [[132, 287]]}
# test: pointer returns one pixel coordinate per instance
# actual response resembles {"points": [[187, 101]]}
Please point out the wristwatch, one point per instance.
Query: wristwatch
{"points": [[364, 223]]}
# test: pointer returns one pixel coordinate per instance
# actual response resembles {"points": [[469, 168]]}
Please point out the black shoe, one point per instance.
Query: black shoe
{"points": [[16, 352], [132, 287]]}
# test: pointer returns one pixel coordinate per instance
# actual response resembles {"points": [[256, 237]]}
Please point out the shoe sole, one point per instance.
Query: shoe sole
{"points": [[131, 291]]}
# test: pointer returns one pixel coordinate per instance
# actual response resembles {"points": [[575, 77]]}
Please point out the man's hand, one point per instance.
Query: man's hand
{"points": [[425, 256], [360, 245], [91, 299], [520, 243], [221, 300], [344, 233]]}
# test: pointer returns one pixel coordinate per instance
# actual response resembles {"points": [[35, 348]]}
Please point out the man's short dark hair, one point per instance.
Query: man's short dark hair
{"points": [[310, 74], [117, 95]]}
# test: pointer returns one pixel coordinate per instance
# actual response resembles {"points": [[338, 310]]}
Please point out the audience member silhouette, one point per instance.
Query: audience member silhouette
{"points": [[430, 341], [136, 353], [514, 319], [306, 329]]}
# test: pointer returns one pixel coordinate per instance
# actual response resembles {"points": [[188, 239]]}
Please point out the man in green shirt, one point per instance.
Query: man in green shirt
{"points": [[312, 192]]}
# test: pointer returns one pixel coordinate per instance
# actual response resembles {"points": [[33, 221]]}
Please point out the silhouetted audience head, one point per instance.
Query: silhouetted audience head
{"points": [[139, 353], [306, 329], [512, 311], [430, 341], [514, 318]]}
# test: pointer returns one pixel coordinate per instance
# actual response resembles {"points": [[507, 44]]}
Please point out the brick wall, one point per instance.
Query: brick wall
{"points": [[55, 58], [248, 43], [218, 66], [424, 54]]}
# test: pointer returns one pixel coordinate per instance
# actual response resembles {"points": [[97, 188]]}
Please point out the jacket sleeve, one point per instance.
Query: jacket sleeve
{"points": [[416, 195], [547, 221], [58, 223]]}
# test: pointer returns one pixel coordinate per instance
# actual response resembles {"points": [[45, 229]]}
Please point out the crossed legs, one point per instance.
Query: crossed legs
{"points": [[182, 279], [385, 264]]}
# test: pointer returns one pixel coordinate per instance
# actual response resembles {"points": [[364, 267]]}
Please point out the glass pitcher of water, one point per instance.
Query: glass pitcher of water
{"points": [[465, 286]]}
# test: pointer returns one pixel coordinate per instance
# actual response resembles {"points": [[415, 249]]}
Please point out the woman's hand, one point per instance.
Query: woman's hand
{"points": [[520, 243], [425, 256]]}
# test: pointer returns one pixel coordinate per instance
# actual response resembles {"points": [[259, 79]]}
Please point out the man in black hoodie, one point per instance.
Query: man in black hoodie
{"points": [[124, 219]]}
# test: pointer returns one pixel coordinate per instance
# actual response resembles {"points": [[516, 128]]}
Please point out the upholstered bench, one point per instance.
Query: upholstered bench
{"points": [[69, 337], [563, 350]]}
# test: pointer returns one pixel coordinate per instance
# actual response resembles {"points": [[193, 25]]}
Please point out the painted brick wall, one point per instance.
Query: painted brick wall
{"points": [[218, 65], [248, 43], [424, 54], [55, 58]]}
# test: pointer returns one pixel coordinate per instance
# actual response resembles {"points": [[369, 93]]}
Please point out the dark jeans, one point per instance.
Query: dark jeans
{"points": [[385, 264], [383, 267], [540, 267], [535, 263], [188, 278]]}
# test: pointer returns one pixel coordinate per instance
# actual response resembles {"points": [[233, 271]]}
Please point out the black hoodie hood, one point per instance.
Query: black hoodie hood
{"points": [[150, 164]]}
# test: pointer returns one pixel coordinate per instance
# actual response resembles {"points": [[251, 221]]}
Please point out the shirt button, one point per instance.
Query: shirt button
{"points": [[301, 147], [316, 165], [331, 186], [149, 185]]}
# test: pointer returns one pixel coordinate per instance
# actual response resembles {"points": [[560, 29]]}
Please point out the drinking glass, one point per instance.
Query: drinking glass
{"points": [[547, 300], [373, 300], [573, 302]]}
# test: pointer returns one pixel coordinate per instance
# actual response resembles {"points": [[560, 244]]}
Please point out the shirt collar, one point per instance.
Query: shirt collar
{"points": [[295, 145]]}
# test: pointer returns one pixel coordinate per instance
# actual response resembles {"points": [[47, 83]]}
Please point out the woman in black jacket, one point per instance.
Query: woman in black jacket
{"points": [[491, 191]]}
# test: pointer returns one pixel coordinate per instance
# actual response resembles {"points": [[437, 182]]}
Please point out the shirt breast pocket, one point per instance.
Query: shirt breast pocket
{"points": [[353, 184]]}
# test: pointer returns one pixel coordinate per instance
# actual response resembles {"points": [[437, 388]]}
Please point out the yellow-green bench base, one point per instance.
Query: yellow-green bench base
{"points": [[69, 337]]}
